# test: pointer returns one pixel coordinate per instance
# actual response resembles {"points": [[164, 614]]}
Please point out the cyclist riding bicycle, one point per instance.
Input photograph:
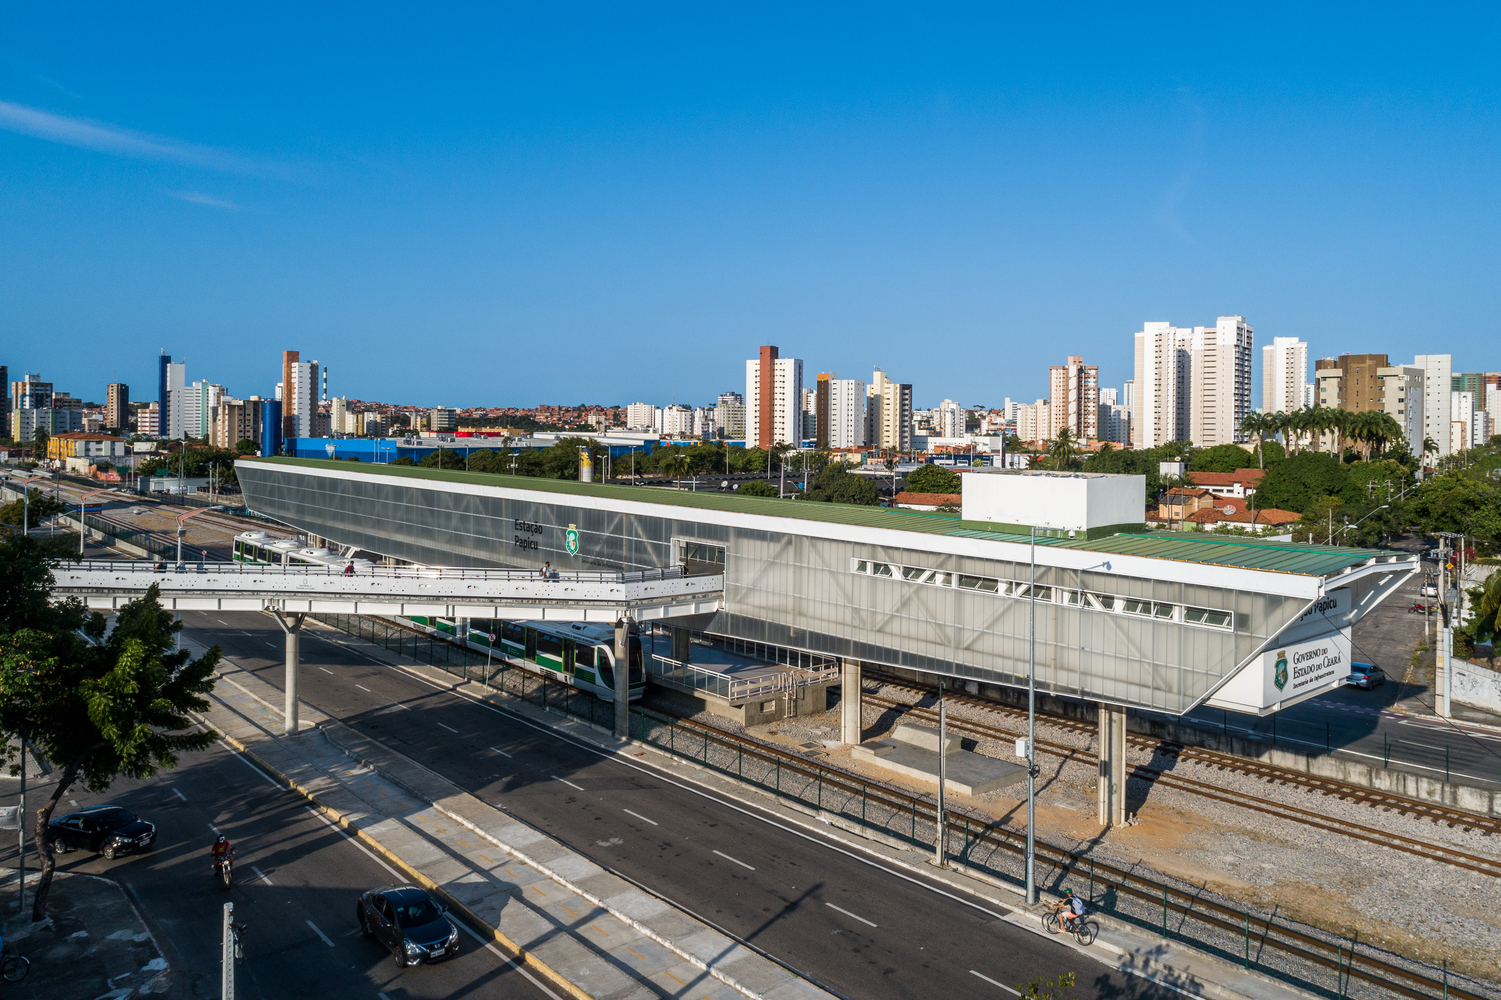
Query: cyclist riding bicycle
{"points": [[1070, 909]]}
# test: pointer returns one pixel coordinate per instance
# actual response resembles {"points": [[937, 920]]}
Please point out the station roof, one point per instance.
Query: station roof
{"points": [[1222, 550]]}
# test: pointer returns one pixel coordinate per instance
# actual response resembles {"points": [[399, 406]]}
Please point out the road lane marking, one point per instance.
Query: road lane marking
{"points": [[570, 912], [319, 933], [364, 688], [179, 794], [216, 829], [222, 622], [271, 644], [401, 706], [490, 947], [449, 728], [992, 982], [566, 782], [842, 910], [633, 951], [326, 670], [262, 875], [642, 818], [368, 853], [742, 864], [243, 632], [501, 752], [597, 927]]}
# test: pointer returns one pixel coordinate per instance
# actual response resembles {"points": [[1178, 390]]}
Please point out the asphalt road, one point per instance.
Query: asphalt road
{"points": [[853, 925], [1358, 723], [296, 877]]}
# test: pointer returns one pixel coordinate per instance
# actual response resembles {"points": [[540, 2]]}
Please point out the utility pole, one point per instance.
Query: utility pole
{"points": [[941, 832], [227, 955]]}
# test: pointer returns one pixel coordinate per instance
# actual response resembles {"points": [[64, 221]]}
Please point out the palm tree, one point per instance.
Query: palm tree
{"points": [[676, 464], [1430, 447], [1259, 424], [1064, 449]]}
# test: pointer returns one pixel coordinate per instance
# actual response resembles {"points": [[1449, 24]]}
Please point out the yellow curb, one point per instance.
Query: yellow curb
{"points": [[526, 957]]}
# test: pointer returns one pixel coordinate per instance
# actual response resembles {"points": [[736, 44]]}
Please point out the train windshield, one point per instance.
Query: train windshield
{"points": [[637, 674]]}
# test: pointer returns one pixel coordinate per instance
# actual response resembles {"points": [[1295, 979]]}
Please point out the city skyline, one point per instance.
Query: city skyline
{"points": [[620, 188]]}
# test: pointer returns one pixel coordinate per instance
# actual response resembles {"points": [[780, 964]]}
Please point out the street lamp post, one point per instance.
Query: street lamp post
{"points": [[1032, 727], [26, 504], [1345, 531], [82, 530]]}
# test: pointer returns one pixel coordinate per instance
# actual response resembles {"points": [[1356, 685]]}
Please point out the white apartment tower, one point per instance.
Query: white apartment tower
{"points": [[1191, 384], [1402, 400], [300, 402], [949, 419], [1284, 375], [1438, 410], [1074, 399], [888, 416], [773, 400], [847, 405], [177, 401]]}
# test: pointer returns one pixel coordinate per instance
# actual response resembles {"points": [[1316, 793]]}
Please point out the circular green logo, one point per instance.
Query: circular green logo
{"points": [[571, 539]]}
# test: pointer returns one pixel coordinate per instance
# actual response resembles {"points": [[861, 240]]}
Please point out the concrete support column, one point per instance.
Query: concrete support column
{"points": [[1111, 786], [850, 728], [680, 643], [622, 678], [461, 629], [291, 624]]}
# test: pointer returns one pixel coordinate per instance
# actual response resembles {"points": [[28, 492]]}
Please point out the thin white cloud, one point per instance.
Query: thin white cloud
{"points": [[106, 138], [199, 198]]}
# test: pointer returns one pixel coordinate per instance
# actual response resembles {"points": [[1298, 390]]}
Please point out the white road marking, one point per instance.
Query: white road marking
{"points": [[566, 782], [992, 982], [382, 996], [221, 622], [271, 644], [325, 670], [215, 829], [742, 864], [319, 933], [363, 688], [243, 632], [179, 794], [642, 818], [262, 875], [847, 913], [501, 752], [401, 706], [449, 728], [370, 854], [490, 947]]}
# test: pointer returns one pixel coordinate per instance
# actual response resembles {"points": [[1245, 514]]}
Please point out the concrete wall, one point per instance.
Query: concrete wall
{"points": [[1481, 801], [1477, 686]]}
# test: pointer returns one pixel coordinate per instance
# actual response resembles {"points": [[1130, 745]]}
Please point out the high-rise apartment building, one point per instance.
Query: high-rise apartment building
{"points": [[117, 407], [1074, 399], [1461, 420], [1033, 421], [847, 402], [1350, 382], [199, 401], [30, 407], [162, 405], [677, 421], [949, 419], [1438, 410], [236, 420], [1128, 394], [640, 417], [1284, 375], [4, 401], [1192, 384], [888, 414], [773, 400], [809, 408], [1402, 400], [299, 403], [730, 415], [149, 421], [175, 415]]}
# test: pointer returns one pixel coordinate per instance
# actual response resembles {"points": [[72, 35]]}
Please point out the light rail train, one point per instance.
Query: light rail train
{"points": [[259, 547], [574, 653]]}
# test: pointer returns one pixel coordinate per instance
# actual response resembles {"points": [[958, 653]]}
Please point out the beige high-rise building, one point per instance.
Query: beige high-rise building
{"points": [[117, 407], [1032, 421], [1074, 399], [888, 414], [235, 420], [1402, 400], [1284, 375], [1191, 384]]}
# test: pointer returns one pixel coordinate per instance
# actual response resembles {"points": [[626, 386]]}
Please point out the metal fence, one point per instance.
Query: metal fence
{"points": [[1259, 940]]}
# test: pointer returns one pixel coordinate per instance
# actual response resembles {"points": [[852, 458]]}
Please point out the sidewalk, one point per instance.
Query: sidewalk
{"points": [[587, 931], [92, 944], [1119, 945]]}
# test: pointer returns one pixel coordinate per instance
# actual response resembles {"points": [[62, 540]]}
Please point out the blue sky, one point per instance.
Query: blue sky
{"points": [[562, 204]]}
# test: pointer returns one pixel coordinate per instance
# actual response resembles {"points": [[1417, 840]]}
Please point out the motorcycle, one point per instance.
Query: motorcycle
{"points": [[224, 869], [1421, 609]]}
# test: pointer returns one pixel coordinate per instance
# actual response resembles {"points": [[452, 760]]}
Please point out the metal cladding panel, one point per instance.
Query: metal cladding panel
{"points": [[797, 588]]}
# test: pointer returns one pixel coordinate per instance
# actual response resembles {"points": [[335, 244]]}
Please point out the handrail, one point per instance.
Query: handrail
{"points": [[167, 566], [701, 678]]}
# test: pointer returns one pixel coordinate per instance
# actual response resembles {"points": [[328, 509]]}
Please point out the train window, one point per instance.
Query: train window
{"points": [[548, 645], [584, 656], [531, 644], [569, 648], [513, 632], [637, 673]]}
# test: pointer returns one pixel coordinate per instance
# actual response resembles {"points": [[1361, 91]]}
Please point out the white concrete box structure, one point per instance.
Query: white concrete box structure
{"points": [[1071, 504]]}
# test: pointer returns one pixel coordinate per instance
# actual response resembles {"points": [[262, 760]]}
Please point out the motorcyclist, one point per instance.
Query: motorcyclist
{"points": [[221, 850], [1070, 908]]}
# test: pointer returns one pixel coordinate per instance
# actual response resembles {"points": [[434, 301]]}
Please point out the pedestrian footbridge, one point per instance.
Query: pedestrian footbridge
{"points": [[446, 592]]}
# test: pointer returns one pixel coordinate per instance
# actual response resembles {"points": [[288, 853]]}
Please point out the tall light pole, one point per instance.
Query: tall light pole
{"points": [[26, 504], [82, 530], [1032, 727]]}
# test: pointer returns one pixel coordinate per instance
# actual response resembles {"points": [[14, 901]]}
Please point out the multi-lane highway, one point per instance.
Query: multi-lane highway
{"points": [[296, 880], [857, 927]]}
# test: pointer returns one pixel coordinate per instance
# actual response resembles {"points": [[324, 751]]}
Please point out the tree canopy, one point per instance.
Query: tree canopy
{"points": [[932, 478], [837, 484], [757, 488], [1222, 458], [1295, 483]]}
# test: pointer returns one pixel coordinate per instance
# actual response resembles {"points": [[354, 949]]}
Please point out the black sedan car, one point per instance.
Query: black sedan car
{"points": [[107, 830], [405, 919]]}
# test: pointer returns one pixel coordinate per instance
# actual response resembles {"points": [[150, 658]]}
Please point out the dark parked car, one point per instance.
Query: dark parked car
{"points": [[1365, 675], [405, 919], [108, 830]]}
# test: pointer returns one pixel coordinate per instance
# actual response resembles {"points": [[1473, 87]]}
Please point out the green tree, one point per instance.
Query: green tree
{"points": [[1064, 451], [1260, 424], [39, 443], [1485, 604], [442, 458], [757, 488], [1295, 483], [1322, 519], [836, 484], [245, 446], [117, 707], [1046, 989], [932, 478], [42, 507], [1221, 458], [676, 463]]}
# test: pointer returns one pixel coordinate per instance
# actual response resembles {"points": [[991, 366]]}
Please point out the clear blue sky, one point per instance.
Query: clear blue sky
{"points": [[563, 203]]}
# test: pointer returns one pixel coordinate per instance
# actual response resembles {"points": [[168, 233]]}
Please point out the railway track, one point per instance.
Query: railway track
{"points": [[1305, 817], [1229, 762]]}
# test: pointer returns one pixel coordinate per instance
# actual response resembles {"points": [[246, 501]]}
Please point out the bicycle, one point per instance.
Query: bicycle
{"points": [[1083, 929], [13, 968]]}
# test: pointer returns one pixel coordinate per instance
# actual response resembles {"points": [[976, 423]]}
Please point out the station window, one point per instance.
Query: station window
{"points": [[701, 557]]}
